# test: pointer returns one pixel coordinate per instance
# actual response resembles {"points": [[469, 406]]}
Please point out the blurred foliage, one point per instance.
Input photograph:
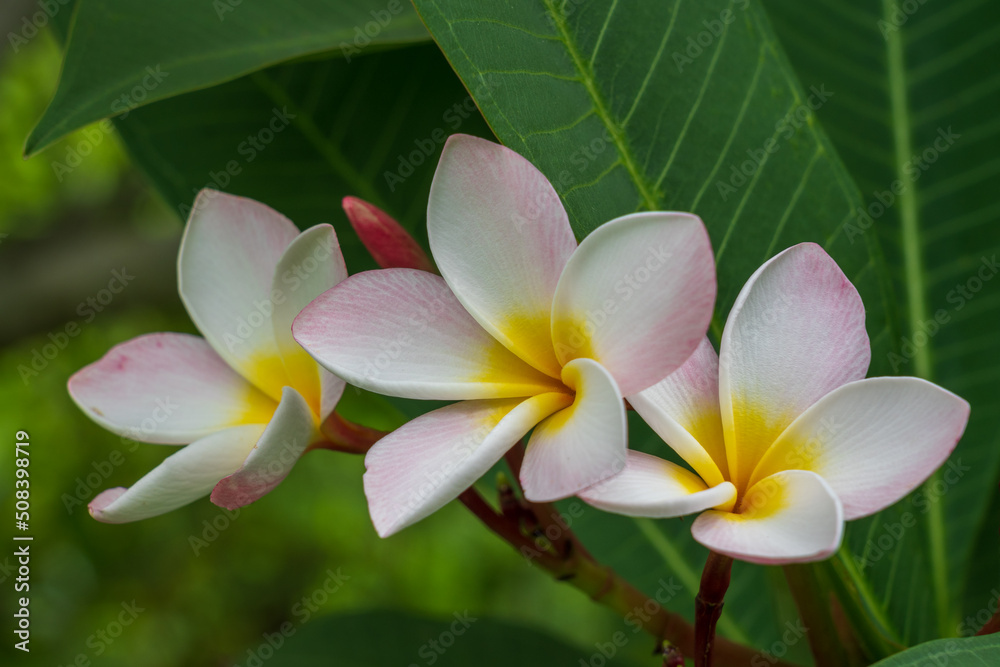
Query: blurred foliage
{"points": [[32, 193]]}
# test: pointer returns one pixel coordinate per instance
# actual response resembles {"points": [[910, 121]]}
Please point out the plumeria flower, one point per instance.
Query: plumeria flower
{"points": [[524, 327], [786, 438], [246, 397]]}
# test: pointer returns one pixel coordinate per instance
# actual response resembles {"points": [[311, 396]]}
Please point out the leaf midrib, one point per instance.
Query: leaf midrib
{"points": [[915, 287], [646, 191]]}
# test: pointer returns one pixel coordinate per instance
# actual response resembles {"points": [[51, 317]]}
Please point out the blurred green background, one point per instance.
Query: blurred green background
{"points": [[207, 594]]}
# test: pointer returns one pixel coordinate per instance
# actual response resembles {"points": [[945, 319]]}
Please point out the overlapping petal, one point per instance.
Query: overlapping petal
{"points": [[581, 444], [425, 344], [637, 296], [180, 479], [429, 461], [652, 487], [872, 440], [789, 517], [683, 409], [795, 333], [227, 259], [291, 430], [310, 265], [167, 388], [501, 238]]}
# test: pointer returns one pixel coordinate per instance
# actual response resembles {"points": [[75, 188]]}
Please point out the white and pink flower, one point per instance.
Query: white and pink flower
{"points": [[246, 397], [526, 329], [786, 437]]}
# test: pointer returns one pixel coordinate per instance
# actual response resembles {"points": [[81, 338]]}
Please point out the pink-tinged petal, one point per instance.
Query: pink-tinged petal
{"points": [[501, 238], [292, 429], [652, 487], [429, 461], [180, 479], [683, 409], [311, 265], [582, 444], [789, 517], [873, 441], [402, 332], [795, 333], [226, 266], [390, 245], [637, 296], [167, 388]]}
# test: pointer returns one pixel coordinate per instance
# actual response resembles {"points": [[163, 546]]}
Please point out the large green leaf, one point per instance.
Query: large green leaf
{"points": [[915, 98], [972, 652], [636, 105], [397, 639], [123, 54]]}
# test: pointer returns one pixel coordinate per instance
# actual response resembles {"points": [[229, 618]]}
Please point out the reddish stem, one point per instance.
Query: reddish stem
{"points": [[708, 605], [346, 436]]}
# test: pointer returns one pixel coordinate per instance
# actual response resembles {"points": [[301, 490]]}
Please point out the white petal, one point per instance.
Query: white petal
{"points": [[292, 429], [226, 266], [419, 467], [581, 444], [873, 441], [795, 333], [683, 409], [637, 296], [652, 487], [311, 265], [168, 388], [180, 479], [789, 517], [402, 332], [501, 237]]}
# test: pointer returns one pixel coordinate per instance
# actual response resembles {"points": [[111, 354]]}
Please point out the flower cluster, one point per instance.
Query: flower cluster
{"points": [[530, 334]]}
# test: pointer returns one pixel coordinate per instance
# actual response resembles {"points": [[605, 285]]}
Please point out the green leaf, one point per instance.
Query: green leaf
{"points": [[905, 76], [396, 639], [971, 652], [122, 54], [624, 109], [602, 103], [372, 128]]}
